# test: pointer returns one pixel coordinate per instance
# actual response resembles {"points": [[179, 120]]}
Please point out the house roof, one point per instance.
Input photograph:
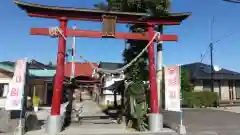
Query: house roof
{"points": [[33, 64], [110, 65], [203, 71], [8, 63], [115, 85], [81, 69], [39, 69], [38, 65], [5, 72], [36, 68]]}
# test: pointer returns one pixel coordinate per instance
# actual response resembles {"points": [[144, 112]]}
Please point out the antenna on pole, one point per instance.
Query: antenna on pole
{"points": [[211, 54]]}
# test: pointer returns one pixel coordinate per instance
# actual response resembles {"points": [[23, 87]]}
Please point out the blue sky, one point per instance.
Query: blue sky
{"points": [[194, 34]]}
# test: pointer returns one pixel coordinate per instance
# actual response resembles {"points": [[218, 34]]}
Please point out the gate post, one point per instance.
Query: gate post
{"points": [[55, 120], [155, 118]]}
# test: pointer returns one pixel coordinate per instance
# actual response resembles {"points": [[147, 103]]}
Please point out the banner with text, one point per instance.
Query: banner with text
{"points": [[172, 88], [16, 86]]}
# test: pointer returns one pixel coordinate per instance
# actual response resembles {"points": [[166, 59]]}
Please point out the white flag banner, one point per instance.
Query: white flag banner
{"points": [[172, 88], [16, 86]]}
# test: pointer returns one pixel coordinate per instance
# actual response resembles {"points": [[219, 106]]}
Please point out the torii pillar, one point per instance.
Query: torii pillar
{"points": [[56, 100]]}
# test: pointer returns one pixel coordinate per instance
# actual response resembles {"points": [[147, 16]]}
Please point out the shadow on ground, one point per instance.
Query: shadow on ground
{"points": [[113, 112]]}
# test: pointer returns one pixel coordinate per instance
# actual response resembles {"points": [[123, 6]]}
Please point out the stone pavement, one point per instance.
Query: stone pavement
{"points": [[197, 122], [95, 122], [8, 121]]}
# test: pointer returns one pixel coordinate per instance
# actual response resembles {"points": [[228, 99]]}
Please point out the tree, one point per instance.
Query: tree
{"points": [[186, 85], [138, 71]]}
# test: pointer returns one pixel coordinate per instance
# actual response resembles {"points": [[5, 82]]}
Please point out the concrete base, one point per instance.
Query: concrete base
{"points": [[54, 124], [182, 130], [155, 122], [35, 108], [19, 130]]}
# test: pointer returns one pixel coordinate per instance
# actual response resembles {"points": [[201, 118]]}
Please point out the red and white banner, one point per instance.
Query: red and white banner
{"points": [[16, 86], [172, 88]]}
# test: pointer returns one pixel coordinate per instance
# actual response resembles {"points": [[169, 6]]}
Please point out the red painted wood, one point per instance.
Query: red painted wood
{"points": [[125, 20], [152, 73], [57, 91], [98, 34]]}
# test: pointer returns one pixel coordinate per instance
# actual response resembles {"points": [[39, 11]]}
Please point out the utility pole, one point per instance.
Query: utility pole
{"points": [[211, 55], [159, 69], [212, 68]]}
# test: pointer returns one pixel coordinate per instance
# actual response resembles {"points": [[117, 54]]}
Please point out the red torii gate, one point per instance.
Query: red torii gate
{"points": [[110, 19]]}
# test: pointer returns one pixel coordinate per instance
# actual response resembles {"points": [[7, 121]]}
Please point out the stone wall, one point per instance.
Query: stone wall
{"points": [[9, 121]]}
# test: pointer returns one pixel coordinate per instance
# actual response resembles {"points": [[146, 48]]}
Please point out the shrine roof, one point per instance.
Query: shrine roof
{"points": [[81, 69], [55, 12]]}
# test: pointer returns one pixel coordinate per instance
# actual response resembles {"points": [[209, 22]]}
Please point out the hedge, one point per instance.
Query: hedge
{"points": [[199, 99]]}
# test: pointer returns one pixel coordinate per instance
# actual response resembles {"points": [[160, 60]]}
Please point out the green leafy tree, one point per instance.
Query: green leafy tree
{"points": [[139, 70], [186, 85]]}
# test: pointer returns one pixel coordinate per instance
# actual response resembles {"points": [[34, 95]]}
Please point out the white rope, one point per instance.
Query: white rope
{"points": [[120, 70], [55, 31]]}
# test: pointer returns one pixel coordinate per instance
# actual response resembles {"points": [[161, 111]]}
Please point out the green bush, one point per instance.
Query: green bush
{"points": [[199, 99]]}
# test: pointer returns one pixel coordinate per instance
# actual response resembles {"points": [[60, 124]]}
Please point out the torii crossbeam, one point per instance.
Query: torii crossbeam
{"points": [[109, 20], [99, 34]]}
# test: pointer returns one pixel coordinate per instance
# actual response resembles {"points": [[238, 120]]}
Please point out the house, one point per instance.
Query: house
{"points": [[226, 82], [108, 95], [37, 71], [38, 74], [40, 77], [83, 73]]}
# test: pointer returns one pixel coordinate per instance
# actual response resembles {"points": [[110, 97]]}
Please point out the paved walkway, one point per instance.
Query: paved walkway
{"points": [[90, 108], [95, 121], [93, 124], [90, 125]]}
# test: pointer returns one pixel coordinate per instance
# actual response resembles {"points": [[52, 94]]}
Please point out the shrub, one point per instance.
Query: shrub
{"points": [[199, 99]]}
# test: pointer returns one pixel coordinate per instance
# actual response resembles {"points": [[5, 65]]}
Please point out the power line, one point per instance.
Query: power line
{"points": [[226, 36], [202, 58], [210, 47], [232, 1]]}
